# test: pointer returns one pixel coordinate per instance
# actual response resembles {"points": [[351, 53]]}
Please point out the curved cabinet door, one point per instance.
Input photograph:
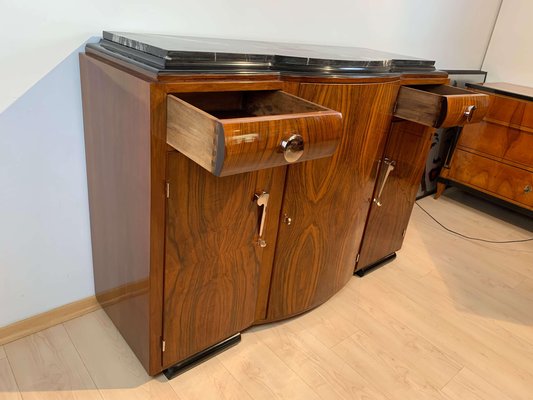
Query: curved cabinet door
{"points": [[326, 201]]}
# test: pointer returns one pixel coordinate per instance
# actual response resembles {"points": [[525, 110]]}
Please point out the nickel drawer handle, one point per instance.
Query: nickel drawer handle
{"points": [[469, 113], [292, 148], [389, 168], [262, 201], [528, 189]]}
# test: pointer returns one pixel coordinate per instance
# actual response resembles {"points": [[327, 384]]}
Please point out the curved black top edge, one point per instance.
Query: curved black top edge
{"points": [[175, 53]]}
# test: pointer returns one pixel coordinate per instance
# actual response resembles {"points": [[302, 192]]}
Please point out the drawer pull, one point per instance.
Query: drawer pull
{"points": [[262, 201], [528, 189], [292, 148], [389, 168], [469, 113]]}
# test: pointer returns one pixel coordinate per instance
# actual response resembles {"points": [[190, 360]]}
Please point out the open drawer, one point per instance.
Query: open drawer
{"points": [[440, 106], [233, 132]]}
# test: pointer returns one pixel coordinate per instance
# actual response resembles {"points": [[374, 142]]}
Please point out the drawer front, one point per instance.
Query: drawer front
{"points": [[440, 106], [510, 144], [500, 179], [236, 132], [505, 111]]}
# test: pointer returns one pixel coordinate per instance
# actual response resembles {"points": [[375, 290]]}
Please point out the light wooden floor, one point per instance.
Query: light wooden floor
{"points": [[448, 319]]}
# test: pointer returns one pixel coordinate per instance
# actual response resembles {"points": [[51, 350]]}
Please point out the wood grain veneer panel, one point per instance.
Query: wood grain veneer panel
{"points": [[229, 133], [498, 179], [407, 145], [117, 121], [212, 260], [328, 200], [439, 105]]}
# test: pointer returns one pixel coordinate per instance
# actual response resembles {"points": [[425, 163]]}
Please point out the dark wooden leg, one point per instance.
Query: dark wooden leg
{"points": [[440, 189]]}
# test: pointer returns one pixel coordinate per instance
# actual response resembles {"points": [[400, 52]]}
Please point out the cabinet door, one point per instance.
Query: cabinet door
{"points": [[212, 257], [327, 200], [406, 152]]}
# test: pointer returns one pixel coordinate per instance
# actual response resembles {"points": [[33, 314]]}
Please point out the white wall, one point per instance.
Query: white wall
{"points": [[44, 231], [510, 54]]}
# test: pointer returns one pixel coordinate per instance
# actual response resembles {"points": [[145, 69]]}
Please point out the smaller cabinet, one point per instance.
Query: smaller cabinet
{"points": [[400, 170], [419, 109], [494, 156]]}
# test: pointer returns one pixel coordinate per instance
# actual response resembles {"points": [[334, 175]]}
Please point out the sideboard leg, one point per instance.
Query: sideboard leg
{"points": [[202, 356], [441, 186], [363, 271]]}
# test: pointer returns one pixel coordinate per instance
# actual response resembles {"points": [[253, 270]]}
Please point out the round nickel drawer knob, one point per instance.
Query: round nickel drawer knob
{"points": [[528, 189], [292, 148]]}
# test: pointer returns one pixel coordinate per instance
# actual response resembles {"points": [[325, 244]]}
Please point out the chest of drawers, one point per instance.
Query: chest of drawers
{"points": [[495, 156]]}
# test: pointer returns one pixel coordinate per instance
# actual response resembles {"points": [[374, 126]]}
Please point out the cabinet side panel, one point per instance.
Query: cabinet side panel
{"points": [[328, 200], [116, 112]]}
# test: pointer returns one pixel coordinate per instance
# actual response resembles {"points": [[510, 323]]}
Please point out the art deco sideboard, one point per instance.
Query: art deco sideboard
{"points": [[494, 157], [234, 183]]}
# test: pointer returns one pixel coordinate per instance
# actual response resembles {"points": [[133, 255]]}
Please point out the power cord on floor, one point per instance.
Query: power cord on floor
{"points": [[470, 237]]}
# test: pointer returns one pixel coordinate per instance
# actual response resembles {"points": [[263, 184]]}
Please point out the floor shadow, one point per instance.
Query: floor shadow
{"points": [[485, 279]]}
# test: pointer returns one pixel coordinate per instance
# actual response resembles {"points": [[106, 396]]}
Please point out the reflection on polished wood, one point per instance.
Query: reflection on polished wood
{"points": [[494, 156], [407, 146], [328, 200], [229, 133], [440, 106], [427, 328]]}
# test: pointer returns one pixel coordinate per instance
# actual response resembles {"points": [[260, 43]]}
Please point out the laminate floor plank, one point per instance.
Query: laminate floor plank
{"points": [[116, 371], [466, 385], [395, 340], [450, 335], [209, 380], [262, 373], [2, 353], [8, 387], [315, 363], [396, 378], [47, 366]]}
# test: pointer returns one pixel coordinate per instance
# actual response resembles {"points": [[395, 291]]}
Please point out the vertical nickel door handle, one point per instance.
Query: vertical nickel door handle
{"points": [[262, 201], [389, 167]]}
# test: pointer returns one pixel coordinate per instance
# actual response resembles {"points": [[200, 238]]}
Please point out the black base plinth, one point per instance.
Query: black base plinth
{"points": [[202, 356], [362, 272]]}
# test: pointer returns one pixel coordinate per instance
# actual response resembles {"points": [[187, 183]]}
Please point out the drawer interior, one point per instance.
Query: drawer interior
{"points": [[248, 104]]}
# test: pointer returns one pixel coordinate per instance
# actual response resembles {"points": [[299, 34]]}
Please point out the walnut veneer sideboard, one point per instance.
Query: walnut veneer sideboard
{"points": [[234, 183], [495, 156]]}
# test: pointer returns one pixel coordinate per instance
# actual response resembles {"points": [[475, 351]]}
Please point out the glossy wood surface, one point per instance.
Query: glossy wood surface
{"points": [[234, 132], [212, 256], [328, 200], [505, 144], [407, 146], [439, 105], [116, 108], [498, 179], [494, 156]]}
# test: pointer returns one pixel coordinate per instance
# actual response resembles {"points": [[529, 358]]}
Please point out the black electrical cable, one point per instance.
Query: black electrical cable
{"points": [[470, 237]]}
